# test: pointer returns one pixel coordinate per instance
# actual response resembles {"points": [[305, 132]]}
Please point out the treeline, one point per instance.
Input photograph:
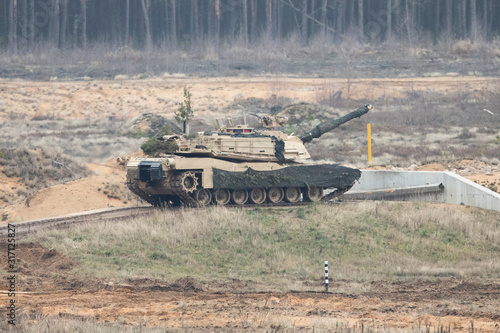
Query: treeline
{"points": [[24, 24]]}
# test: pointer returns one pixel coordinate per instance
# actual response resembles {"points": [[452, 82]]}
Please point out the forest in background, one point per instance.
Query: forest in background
{"points": [[27, 25]]}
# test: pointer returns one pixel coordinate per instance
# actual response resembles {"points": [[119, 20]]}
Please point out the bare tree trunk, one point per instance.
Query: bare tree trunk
{"points": [[127, 22], [437, 20], [323, 15], [84, 23], [173, 23], [196, 26], [13, 26], [64, 23], [351, 15], [24, 25], [490, 16], [398, 21], [361, 18], [409, 24], [414, 16], [167, 20], [269, 26], [32, 32], [279, 16], [230, 23], [145, 13], [462, 18], [449, 17], [473, 21], [304, 21], [313, 24], [340, 17], [389, 20], [254, 19], [55, 24], [210, 18], [217, 23], [244, 25], [485, 18]]}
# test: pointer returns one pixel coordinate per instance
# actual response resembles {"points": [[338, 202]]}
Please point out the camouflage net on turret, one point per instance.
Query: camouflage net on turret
{"points": [[324, 175]]}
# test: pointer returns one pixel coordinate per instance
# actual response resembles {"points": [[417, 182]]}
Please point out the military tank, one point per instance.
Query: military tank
{"points": [[238, 164]]}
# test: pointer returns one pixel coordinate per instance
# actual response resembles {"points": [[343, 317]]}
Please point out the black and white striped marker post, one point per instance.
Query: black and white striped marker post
{"points": [[326, 275]]}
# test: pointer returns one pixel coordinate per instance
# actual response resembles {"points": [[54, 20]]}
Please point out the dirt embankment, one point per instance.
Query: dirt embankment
{"points": [[104, 188]]}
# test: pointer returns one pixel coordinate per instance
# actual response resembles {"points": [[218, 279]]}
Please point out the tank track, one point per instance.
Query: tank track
{"points": [[336, 193], [187, 200], [140, 193]]}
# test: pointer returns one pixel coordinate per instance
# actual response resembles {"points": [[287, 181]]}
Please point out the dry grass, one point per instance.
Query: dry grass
{"points": [[421, 127], [37, 169], [365, 241], [83, 140]]}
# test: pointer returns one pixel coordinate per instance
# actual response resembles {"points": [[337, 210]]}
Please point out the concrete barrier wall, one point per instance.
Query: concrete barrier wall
{"points": [[457, 190]]}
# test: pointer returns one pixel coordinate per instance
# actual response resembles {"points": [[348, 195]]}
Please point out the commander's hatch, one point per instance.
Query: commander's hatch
{"points": [[229, 127]]}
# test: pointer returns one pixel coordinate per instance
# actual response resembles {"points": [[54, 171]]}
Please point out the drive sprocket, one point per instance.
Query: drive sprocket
{"points": [[188, 181]]}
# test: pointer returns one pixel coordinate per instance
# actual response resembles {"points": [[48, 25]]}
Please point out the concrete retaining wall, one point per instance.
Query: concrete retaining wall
{"points": [[457, 190]]}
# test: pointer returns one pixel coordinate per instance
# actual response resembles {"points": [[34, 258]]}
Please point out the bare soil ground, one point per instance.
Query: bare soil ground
{"points": [[105, 188], [48, 287]]}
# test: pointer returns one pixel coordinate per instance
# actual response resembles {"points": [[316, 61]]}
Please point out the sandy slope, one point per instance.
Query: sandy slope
{"points": [[106, 188]]}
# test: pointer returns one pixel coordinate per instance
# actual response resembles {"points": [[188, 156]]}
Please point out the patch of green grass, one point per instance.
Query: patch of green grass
{"points": [[301, 213], [364, 241]]}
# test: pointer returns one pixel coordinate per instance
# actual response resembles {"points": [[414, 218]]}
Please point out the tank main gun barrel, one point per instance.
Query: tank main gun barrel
{"points": [[330, 125]]}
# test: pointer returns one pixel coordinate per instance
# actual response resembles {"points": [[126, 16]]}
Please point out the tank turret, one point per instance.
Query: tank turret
{"points": [[239, 164]]}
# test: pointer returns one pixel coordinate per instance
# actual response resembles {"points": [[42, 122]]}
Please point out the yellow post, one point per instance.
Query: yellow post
{"points": [[369, 130]]}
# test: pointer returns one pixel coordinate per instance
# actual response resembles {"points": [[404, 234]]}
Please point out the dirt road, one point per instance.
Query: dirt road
{"points": [[404, 306]]}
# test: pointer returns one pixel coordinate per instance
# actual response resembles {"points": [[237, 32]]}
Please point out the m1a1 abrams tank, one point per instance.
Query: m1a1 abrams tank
{"points": [[238, 164]]}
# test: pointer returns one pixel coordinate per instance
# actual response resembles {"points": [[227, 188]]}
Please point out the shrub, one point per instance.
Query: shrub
{"points": [[156, 145], [38, 169]]}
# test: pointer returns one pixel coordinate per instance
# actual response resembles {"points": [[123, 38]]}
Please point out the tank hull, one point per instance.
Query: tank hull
{"points": [[201, 181]]}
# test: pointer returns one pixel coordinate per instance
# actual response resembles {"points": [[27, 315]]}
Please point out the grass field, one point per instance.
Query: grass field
{"points": [[362, 241]]}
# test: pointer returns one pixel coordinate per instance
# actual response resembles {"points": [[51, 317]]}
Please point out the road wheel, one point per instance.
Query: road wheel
{"points": [[222, 197], [292, 194], [239, 197], [258, 195], [313, 193], [275, 194], [203, 197]]}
